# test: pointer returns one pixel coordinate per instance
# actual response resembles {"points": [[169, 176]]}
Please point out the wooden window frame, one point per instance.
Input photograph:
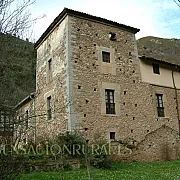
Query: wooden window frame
{"points": [[112, 135], [6, 121], [27, 119], [109, 98], [156, 69], [50, 65], [160, 105], [106, 56], [49, 108]]}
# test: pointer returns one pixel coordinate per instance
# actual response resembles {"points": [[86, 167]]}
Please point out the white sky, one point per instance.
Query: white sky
{"points": [[159, 18]]}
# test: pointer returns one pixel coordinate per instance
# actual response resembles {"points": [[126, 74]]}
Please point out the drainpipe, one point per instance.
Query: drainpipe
{"points": [[34, 120], [177, 104]]}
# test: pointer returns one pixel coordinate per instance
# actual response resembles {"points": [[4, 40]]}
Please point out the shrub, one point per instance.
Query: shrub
{"points": [[101, 159], [11, 165], [72, 145], [67, 166], [101, 156]]}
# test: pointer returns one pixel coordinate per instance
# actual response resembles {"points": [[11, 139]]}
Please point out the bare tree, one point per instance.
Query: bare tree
{"points": [[11, 163], [15, 17], [177, 2]]}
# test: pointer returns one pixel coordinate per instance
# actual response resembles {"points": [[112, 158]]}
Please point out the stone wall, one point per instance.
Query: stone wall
{"points": [[79, 79], [88, 38], [25, 123], [159, 145], [137, 115], [51, 82]]}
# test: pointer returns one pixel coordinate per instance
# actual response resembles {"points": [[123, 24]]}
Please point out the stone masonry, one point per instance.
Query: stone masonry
{"points": [[71, 73]]}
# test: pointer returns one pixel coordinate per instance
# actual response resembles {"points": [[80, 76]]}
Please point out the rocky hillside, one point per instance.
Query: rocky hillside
{"points": [[159, 48], [17, 69]]}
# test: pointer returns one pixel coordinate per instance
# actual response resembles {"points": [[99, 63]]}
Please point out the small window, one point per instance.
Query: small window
{"points": [[2, 121], [6, 121], [27, 119], [106, 57], [50, 65], [2, 116], [112, 135], [49, 110], [156, 68], [49, 70], [110, 105], [160, 106], [112, 36]]}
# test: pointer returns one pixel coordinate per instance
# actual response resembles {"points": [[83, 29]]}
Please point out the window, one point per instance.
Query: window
{"points": [[112, 36], [49, 110], [1, 116], [110, 105], [156, 68], [49, 70], [106, 56], [27, 119], [6, 121], [160, 107], [50, 65], [112, 135], [2, 122]]}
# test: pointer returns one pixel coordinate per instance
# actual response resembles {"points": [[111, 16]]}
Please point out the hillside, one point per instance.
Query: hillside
{"points": [[17, 69], [159, 48]]}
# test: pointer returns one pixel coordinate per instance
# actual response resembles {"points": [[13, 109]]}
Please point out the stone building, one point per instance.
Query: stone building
{"points": [[89, 78], [25, 120], [18, 121]]}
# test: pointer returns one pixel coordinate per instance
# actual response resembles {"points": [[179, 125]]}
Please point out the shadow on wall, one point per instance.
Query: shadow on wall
{"points": [[163, 144]]}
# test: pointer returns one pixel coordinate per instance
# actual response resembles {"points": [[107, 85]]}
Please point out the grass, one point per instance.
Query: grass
{"points": [[120, 171]]}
